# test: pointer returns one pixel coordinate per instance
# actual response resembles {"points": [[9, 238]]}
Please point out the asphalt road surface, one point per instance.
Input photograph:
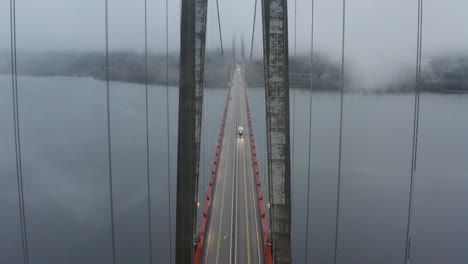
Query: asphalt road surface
{"points": [[234, 231]]}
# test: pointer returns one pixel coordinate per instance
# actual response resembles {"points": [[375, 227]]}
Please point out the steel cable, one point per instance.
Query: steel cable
{"points": [[148, 183], [294, 102], [341, 132], [168, 135], [415, 132], [18, 156], [219, 26], [310, 132], [253, 30], [109, 145], [294, 87]]}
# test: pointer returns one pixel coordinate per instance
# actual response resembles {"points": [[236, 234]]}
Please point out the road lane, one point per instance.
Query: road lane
{"points": [[233, 233], [219, 227], [251, 250], [250, 174]]}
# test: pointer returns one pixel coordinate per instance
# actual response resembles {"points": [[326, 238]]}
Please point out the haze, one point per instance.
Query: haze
{"points": [[380, 34]]}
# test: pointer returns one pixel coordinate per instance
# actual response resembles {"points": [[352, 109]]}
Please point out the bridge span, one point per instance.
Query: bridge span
{"points": [[234, 226]]}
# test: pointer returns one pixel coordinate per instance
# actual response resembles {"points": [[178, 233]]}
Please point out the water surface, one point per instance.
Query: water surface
{"points": [[65, 168]]}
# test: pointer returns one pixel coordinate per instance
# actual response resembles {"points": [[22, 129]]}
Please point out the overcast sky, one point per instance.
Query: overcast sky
{"points": [[380, 34]]}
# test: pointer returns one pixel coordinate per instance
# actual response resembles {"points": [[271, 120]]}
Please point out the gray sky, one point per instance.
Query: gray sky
{"points": [[380, 34]]}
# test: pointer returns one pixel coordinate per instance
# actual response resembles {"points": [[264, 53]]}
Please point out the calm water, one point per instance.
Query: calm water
{"points": [[65, 166]]}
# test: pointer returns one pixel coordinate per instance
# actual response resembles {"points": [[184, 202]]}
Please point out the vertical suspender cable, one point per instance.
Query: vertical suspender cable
{"points": [[168, 135], [294, 99], [415, 132], [203, 143], [338, 192], [310, 132], [203, 156], [253, 30], [109, 146], [19, 166], [207, 102], [148, 183]]}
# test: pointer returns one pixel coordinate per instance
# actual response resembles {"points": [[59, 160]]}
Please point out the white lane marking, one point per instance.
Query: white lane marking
{"points": [[237, 208], [232, 207], [232, 204], [232, 190]]}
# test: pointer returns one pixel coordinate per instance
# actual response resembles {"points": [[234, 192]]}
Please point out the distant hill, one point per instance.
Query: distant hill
{"points": [[446, 74], [124, 66], [442, 73]]}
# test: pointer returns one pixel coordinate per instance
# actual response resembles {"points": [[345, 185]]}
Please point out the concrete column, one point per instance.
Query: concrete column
{"points": [[275, 36], [192, 53]]}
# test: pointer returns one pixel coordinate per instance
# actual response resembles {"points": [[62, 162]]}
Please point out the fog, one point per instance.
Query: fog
{"points": [[380, 34], [380, 39]]}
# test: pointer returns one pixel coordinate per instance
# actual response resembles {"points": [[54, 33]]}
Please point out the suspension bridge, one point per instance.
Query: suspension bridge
{"points": [[234, 227], [237, 225]]}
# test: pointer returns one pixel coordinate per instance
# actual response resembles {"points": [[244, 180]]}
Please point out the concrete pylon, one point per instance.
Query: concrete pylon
{"points": [[276, 63], [192, 54]]}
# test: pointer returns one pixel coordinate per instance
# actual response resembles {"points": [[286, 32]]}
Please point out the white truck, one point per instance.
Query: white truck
{"points": [[240, 132]]}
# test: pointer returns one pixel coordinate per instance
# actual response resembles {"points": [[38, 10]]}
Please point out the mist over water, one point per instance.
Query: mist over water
{"points": [[380, 35]]}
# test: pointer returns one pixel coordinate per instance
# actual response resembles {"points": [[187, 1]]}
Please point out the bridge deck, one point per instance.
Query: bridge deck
{"points": [[234, 234]]}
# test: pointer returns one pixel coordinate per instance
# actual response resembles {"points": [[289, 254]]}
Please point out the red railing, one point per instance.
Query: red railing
{"points": [[206, 211], [261, 205], [201, 236]]}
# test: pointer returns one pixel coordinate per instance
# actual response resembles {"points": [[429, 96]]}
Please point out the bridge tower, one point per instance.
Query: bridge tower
{"points": [[192, 54], [275, 48]]}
